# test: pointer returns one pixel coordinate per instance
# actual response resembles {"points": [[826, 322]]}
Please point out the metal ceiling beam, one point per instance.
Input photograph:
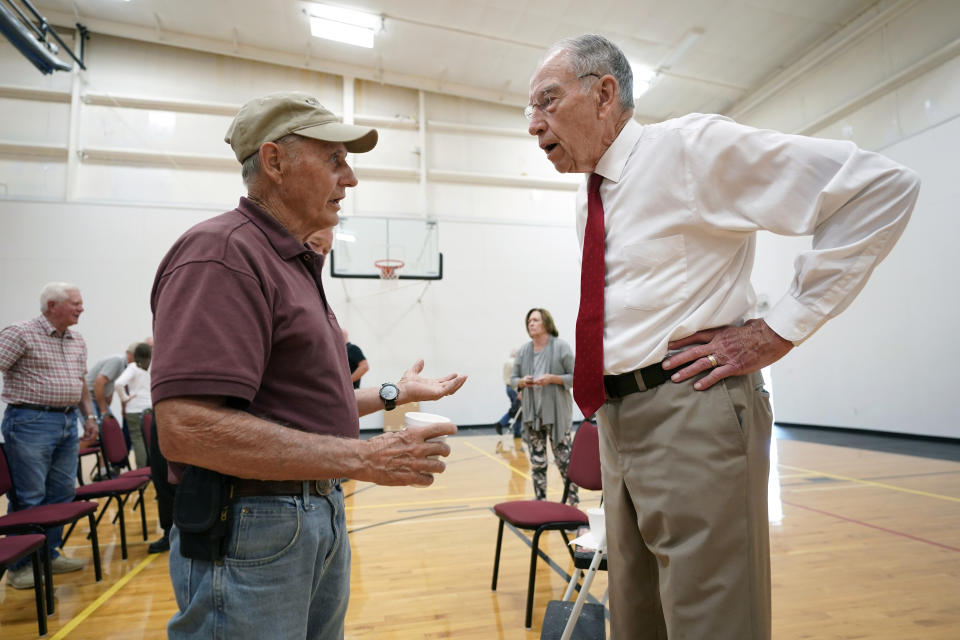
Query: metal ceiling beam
{"points": [[874, 18], [295, 60]]}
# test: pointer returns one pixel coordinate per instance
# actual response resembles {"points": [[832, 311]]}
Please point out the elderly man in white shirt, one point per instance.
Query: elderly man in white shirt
{"points": [[667, 354]]}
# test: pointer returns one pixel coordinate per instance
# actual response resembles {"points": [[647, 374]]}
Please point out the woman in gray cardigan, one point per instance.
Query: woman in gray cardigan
{"points": [[543, 369]]}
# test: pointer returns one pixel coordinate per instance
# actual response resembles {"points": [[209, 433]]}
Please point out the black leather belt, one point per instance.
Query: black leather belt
{"points": [[44, 407], [624, 384], [244, 487]]}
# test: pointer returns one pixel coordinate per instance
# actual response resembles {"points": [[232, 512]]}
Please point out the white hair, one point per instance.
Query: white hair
{"points": [[55, 292]]}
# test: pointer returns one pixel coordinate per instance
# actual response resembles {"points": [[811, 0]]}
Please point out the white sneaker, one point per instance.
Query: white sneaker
{"points": [[63, 564], [21, 578]]}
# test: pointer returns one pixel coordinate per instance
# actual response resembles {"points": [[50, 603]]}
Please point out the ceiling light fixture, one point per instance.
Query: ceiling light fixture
{"points": [[344, 25], [643, 78]]}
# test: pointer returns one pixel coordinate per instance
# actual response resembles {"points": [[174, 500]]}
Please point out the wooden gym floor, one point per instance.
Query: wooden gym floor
{"points": [[869, 547]]}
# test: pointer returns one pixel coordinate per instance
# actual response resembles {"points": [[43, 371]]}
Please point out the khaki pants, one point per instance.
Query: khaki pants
{"points": [[685, 493]]}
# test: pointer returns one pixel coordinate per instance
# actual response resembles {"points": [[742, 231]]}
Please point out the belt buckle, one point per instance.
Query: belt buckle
{"points": [[323, 487]]}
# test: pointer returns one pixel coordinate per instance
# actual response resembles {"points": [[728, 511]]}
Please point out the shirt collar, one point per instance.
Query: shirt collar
{"points": [[50, 330], [614, 159], [282, 241]]}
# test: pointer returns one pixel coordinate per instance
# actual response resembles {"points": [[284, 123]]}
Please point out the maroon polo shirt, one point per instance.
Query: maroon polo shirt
{"points": [[239, 311]]}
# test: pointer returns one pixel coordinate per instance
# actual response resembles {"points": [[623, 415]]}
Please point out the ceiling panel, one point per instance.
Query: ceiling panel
{"points": [[488, 49]]}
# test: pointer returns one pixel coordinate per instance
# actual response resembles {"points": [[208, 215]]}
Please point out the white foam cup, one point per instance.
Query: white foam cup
{"points": [[417, 419], [597, 522]]}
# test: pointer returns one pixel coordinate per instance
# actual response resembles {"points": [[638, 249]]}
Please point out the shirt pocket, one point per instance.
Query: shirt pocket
{"points": [[657, 273]]}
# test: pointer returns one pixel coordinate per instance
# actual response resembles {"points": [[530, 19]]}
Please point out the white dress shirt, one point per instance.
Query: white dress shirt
{"points": [[683, 200], [133, 387]]}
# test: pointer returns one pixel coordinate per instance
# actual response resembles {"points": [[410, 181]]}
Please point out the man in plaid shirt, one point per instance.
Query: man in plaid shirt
{"points": [[43, 365]]}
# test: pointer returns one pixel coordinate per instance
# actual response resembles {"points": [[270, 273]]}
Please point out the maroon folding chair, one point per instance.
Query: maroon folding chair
{"points": [[14, 548], [46, 516], [545, 515], [120, 488], [92, 450]]}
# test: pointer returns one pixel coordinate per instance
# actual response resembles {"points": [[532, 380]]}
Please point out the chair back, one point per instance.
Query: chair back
{"points": [[6, 480], [113, 443], [584, 469]]}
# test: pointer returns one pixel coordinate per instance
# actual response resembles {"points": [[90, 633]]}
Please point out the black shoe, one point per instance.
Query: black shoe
{"points": [[161, 545], [499, 428]]}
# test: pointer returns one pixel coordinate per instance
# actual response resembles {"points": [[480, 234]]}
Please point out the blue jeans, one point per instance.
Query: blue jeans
{"points": [[514, 407], [286, 574], [41, 448]]}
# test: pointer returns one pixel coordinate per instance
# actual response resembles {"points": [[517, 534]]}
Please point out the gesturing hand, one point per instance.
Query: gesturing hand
{"points": [[728, 351], [414, 387]]}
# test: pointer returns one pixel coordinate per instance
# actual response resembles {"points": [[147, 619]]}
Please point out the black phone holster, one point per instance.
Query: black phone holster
{"points": [[201, 511]]}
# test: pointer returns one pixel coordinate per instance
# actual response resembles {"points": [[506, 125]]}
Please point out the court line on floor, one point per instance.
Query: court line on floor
{"points": [[498, 460], [109, 593], [873, 526], [871, 483]]}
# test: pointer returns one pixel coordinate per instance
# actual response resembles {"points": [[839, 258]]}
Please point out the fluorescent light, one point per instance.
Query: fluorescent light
{"points": [[643, 78], [344, 25], [689, 39], [343, 236]]}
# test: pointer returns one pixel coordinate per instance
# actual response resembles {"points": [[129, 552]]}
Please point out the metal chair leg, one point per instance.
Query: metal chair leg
{"points": [[534, 552], [48, 576], [496, 558], [95, 542], [123, 528], [38, 591], [143, 514]]}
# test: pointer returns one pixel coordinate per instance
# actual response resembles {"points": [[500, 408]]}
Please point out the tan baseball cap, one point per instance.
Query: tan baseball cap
{"points": [[273, 116]]}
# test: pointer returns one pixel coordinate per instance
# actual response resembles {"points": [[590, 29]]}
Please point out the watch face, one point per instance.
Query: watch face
{"points": [[389, 392]]}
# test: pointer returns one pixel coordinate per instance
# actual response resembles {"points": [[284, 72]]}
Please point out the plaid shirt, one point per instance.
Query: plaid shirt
{"points": [[41, 367]]}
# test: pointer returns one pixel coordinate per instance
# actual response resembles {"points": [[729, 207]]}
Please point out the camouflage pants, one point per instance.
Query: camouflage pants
{"points": [[537, 441]]}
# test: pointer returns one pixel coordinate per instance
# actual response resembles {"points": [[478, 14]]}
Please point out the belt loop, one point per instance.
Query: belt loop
{"points": [[306, 490]]}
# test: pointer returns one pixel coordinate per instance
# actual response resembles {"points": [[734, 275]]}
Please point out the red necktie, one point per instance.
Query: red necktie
{"points": [[588, 388]]}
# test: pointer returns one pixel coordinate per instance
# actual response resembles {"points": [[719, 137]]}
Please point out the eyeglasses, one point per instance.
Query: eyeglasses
{"points": [[548, 101]]}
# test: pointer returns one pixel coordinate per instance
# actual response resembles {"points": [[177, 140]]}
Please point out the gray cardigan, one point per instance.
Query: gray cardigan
{"points": [[556, 402]]}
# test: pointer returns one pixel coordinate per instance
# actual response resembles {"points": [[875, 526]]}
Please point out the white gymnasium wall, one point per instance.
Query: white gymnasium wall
{"points": [[105, 221], [507, 237], [886, 363]]}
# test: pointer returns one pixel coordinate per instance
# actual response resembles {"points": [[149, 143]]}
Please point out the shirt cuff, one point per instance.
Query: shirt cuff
{"points": [[792, 321]]}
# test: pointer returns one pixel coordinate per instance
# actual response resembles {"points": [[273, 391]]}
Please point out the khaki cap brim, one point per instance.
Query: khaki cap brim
{"points": [[356, 139]]}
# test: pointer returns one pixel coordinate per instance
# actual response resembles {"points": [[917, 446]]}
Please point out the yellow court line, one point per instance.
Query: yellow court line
{"points": [[459, 500], [83, 615], [873, 484], [830, 487], [497, 460]]}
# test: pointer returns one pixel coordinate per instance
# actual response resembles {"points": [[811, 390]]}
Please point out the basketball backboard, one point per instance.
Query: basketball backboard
{"points": [[359, 242]]}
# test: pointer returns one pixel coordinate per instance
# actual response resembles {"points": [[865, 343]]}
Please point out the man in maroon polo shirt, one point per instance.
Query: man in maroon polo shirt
{"points": [[250, 380]]}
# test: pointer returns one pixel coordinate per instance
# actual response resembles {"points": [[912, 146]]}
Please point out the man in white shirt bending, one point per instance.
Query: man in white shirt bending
{"points": [[667, 353]]}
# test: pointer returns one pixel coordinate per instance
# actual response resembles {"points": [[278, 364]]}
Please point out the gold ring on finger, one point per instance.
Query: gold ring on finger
{"points": [[713, 360]]}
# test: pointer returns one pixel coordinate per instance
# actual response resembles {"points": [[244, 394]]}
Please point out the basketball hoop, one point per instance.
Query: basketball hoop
{"points": [[388, 268]]}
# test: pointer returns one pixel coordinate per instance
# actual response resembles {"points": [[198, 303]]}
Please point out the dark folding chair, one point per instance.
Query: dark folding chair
{"points": [[120, 488], [46, 516], [545, 515], [14, 548]]}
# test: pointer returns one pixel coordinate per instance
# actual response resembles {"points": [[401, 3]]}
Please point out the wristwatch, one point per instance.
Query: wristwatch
{"points": [[389, 393]]}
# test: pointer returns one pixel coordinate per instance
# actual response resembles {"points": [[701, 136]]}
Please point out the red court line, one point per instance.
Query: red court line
{"points": [[873, 526]]}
